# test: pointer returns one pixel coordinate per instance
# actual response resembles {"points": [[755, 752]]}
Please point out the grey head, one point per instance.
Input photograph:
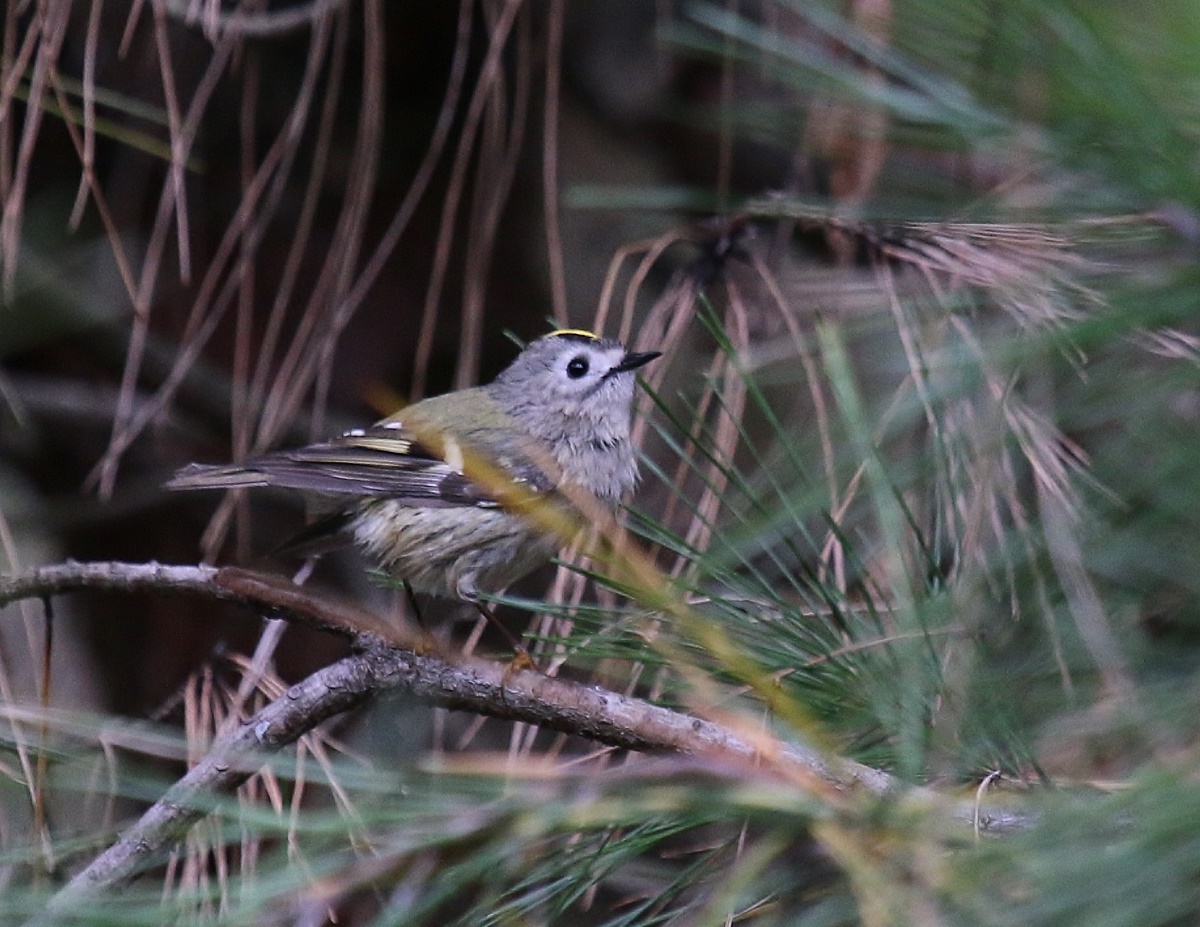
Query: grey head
{"points": [[574, 391], [570, 380]]}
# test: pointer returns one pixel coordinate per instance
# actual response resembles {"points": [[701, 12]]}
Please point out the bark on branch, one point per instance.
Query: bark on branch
{"points": [[388, 663]]}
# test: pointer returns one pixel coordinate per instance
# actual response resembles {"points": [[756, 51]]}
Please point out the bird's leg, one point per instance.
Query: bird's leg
{"points": [[428, 643], [412, 603], [521, 658]]}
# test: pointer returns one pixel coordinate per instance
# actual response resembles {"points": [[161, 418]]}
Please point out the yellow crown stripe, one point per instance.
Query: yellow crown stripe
{"points": [[579, 332]]}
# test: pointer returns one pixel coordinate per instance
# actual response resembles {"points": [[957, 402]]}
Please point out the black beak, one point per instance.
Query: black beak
{"points": [[633, 360]]}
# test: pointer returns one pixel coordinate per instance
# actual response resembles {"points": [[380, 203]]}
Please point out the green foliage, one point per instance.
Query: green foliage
{"points": [[952, 535]]}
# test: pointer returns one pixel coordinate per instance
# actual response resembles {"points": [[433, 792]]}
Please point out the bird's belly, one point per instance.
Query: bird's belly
{"points": [[454, 551]]}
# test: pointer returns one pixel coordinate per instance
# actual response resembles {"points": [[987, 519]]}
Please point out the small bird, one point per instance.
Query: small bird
{"points": [[442, 494]]}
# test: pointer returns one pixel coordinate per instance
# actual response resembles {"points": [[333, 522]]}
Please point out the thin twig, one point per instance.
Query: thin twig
{"points": [[550, 193], [490, 71]]}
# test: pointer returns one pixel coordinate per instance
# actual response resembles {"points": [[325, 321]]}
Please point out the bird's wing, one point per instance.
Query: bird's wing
{"points": [[384, 460]]}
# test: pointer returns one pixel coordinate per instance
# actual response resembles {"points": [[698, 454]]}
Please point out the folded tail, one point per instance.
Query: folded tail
{"points": [[209, 476], [323, 535]]}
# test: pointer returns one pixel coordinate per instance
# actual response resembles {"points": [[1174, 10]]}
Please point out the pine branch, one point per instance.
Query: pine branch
{"points": [[388, 662]]}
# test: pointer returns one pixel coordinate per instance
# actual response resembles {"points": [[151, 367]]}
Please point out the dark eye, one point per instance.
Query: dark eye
{"points": [[577, 367]]}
